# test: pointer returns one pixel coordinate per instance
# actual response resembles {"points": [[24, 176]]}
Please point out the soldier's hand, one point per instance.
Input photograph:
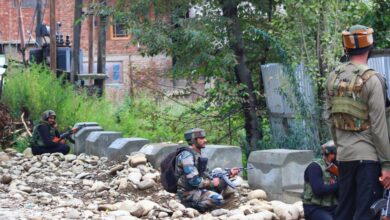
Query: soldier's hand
{"points": [[216, 181], [385, 179], [234, 171]]}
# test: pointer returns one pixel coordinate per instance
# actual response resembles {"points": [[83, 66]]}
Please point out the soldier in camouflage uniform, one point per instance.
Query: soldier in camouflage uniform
{"points": [[356, 100], [43, 136], [320, 187], [194, 189]]}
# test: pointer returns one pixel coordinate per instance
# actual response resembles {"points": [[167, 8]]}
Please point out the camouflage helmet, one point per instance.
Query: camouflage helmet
{"points": [[358, 39], [193, 133], [329, 148], [46, 114]]}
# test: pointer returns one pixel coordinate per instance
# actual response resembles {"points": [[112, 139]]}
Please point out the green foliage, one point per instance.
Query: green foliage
{"points": [[37, 89], [21, 143], [379, 19]]}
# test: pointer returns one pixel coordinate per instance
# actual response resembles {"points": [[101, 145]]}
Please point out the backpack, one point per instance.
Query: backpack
{"points": [[167, 166]]}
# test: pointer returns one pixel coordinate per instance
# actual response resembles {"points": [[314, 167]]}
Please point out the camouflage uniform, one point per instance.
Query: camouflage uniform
{"points": [[193, 189]]}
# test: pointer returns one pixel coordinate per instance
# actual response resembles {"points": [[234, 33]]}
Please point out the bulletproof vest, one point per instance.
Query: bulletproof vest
{"points": [[308, 196], [36, 139], [199, 162], [348, 110]]}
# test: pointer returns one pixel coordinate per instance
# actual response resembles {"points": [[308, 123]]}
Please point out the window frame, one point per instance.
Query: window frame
{"points": [[29, 3], [112, 32]]}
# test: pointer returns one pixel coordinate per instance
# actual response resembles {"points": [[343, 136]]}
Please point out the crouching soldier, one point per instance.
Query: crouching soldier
{"points": [[45, 134], [320, 186], [194, 189]]}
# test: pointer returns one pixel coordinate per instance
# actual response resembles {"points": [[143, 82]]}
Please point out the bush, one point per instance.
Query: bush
{"points": [[37, 89]]}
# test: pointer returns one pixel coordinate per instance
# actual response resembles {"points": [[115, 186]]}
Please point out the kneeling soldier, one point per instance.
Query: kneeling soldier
{"points": [[194, 188], [320, 187]]}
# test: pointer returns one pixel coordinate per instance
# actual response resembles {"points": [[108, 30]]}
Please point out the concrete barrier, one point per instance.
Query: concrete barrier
{"points": [[156, 152], [121, 147], [86, 124], [81, 136], [223, 156], [279, 172], [97, 142]]}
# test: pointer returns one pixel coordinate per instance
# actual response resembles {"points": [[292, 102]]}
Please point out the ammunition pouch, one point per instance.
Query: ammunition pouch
{"points": [[202, 164]]}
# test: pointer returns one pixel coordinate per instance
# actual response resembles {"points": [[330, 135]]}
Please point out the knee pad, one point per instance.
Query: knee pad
{"points": [[216, 199]]}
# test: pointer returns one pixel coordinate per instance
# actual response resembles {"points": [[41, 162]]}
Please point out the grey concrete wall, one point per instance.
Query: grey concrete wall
{"points": [[223, 156], [121, 147], [156, 152], [279, 172], [81, 136], [97, 142]]}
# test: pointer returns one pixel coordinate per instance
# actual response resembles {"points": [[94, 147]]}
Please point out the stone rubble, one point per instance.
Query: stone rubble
{"points": [[54, 186]]}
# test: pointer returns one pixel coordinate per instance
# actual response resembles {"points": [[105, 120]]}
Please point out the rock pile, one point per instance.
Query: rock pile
{"points": [[56, 186]]}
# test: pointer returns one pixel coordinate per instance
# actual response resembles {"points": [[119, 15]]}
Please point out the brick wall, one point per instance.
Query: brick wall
{"points": [[136, 70]]}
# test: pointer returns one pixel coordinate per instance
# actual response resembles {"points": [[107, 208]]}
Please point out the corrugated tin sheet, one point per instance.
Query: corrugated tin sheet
{"points": [[381, 65], [281, 115]]}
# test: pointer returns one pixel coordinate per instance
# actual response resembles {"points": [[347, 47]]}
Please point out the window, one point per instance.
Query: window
{"points": [[30, 3], [118, 31]]}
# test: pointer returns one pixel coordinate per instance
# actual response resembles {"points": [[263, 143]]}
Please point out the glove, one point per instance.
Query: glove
{"points": [[385, 179], [234, 171]]}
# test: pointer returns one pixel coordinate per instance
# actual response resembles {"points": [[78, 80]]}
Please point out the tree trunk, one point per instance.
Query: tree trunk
{"points": [[76, 39], [101, 59], [38, 22], [53, 43], [252, 128]]}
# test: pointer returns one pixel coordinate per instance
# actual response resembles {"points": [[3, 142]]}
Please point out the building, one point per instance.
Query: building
{"points": [[126, 69]]}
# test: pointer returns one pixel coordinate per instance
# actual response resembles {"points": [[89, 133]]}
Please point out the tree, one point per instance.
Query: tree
{"points": [[212, 44], [227, 40]]}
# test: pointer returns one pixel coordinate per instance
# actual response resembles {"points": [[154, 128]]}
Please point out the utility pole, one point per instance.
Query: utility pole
{"points": [[90, 40], [53, 31], [101, 62], [21, 31], [38, 22], [76, 39]]}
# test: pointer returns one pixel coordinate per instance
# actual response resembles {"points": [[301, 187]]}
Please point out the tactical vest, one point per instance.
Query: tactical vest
{"points": [[308, 195], [348, 110], [36, 139]]}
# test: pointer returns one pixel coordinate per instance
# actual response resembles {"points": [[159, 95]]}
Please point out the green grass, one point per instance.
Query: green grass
{"points": [[37, 89]]}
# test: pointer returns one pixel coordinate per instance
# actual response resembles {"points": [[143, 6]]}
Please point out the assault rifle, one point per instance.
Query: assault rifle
{"points": [[225, 173], [67, 134], [333, 169], [382, 205]]}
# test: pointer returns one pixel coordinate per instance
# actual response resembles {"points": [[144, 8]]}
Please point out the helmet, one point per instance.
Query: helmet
{"points": [[358, 39], [46, 114], [193, 133], [329, 148]]}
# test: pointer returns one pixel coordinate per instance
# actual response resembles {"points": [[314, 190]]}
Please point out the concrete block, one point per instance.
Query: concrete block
{"points": [[97, 142], [156, 152], [223, 156], [87, 124], [81, 136], [121, 147], [279, 172]]}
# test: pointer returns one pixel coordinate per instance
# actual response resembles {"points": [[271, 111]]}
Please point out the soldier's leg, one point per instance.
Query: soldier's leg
{"points": [[203, 200], [368, 189], [347, 190]]}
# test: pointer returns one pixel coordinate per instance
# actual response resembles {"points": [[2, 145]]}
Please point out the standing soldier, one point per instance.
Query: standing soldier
{"points": [[356, 111]]}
